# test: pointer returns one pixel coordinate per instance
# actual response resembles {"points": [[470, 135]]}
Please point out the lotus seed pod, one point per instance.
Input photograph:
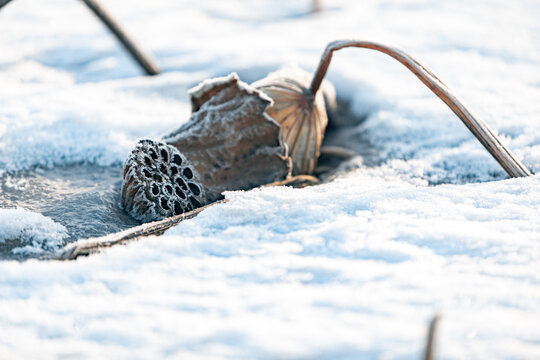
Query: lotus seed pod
{"points": [[159, 182], [229, 143], [301, 114]]}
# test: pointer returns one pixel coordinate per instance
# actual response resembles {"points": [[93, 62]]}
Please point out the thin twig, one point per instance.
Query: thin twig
{"points": [[483, 133], [4, 3], [316, 6], [338, 151], [297, 181], [144, 59], [89, 246], [429, 353]]}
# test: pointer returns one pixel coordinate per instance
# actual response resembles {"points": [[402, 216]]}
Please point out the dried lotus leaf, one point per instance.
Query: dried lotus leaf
{"points": [[229, 143], [301, 114]]}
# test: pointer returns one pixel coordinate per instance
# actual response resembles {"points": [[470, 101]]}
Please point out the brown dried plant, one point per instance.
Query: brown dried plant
{"points": [[241, 136], [300, 109]]}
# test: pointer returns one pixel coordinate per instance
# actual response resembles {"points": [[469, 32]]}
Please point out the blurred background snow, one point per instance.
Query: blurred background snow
{"points": [[350, 269]]}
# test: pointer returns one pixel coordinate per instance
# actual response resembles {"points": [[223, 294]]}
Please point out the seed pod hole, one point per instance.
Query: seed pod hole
{"points": [[168, 189], [181, 183], [147, 161], [153, 154], [194, 201], [163, 203], [179, 192], [164, 155], [194, 189], [178, 208], [177, 159], [188, 173]]}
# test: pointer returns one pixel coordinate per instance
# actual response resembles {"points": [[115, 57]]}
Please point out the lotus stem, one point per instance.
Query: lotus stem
{"points": [[85, 247], [316, 6], [429, 352], [145, 60], [3, 3], [512, 166]]}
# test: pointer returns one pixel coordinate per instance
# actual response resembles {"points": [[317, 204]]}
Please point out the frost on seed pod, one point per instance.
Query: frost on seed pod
{"points": [[229, 143], [301, 114]]}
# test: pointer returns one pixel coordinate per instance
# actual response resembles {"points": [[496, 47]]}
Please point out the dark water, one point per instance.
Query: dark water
{"points": [[83, 198]]}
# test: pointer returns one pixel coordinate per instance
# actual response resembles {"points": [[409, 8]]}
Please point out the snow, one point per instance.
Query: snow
{"points": [[35, 231], [205, 85], [354, 268]]}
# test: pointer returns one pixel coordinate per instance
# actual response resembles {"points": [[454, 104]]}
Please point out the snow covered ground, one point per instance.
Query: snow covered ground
{"points": [[350, 269]]}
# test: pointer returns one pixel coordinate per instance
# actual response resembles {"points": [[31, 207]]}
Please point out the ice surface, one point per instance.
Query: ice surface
{"points": [[350, 269]]}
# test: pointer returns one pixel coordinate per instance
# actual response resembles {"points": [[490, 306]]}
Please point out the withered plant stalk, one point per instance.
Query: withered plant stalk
{"points": [[481, 131], [429, 352]]}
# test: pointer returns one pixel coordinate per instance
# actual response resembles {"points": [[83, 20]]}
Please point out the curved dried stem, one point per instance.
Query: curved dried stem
{"points": [[481, 131]]}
